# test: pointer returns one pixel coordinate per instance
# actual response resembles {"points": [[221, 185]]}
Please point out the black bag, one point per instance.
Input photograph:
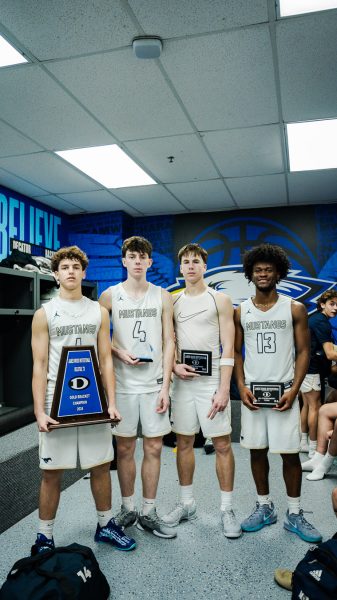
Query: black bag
{"points": [[315, 577], [65, 573]]}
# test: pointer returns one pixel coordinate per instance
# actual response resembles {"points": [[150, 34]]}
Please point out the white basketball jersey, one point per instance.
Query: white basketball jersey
{"points": [[137, 328], [196, 323], [70, 323], [269, 342]]}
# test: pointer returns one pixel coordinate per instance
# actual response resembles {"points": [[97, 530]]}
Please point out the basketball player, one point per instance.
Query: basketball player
{"points": [[71, 319], [274, 331], [203, 322], [143, 351]]}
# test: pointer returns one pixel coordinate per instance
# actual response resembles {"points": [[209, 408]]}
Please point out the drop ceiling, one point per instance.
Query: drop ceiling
{"points": [[229, 77]]}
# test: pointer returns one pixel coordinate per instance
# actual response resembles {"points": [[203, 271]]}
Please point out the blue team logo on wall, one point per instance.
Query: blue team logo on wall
{"points": [[232, 281], [225, 243]]}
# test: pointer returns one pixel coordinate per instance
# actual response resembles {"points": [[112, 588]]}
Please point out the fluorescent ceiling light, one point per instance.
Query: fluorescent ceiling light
{"points": [[8, 54], [312, 145], [108, 165], [298, 7]]}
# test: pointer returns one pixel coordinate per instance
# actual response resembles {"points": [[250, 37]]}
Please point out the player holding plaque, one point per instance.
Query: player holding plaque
{"points": [[70, 319], [203, 322], [274, 331], [143, 349]]}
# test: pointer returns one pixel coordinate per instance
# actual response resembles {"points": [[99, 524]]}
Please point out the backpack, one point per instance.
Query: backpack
{"points": [[65, 573], [315, 577]]}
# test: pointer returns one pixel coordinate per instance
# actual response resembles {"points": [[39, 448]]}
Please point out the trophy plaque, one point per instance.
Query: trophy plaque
{"points": [[267, 394], [200, 360], [79, 397]]}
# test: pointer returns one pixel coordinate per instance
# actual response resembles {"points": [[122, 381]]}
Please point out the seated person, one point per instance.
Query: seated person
{"points": [[322, 352], [323, 458]]}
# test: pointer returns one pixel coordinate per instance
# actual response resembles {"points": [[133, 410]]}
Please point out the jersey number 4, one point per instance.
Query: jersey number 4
{"points": [[266, 342], [139, 333]]}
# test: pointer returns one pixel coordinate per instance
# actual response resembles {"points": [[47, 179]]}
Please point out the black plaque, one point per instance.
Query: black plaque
{"points": [[79, 397], [267, 394], [200, 360]]}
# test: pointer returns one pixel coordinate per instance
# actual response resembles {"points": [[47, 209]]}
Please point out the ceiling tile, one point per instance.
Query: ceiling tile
{"points": [[250, 151], [253, 192], [130, 96], [20, 185], [49, 172], [96, 201], [225, 80], [150, 199], [190, 161], [13, 142], [59, 204], [34, 103], [63, 28], [307, 49], [312, 186], [177, 18], [202, 195]]}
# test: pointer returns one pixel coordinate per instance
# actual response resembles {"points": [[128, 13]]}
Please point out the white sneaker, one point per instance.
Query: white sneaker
{"points": [[312, 463], [231, 527], [182, 512], [322, 469]]}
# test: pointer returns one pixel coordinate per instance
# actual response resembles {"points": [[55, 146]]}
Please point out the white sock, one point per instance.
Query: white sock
{"points": [[103, 517], [327, 461], [129, 502], [264, 499], [226, 500], [46, 527], [317, 458], [312, 447], [148, 505], [304, 438], [293, 505], [186, 494]]}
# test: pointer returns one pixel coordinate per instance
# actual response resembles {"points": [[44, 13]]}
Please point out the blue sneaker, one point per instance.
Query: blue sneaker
{"points": [[114, 535], [264, 514], [299, 525], [42, 544]]}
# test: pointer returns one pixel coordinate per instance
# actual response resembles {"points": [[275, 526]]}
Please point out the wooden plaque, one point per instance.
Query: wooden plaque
{"points": [[79, 396]]}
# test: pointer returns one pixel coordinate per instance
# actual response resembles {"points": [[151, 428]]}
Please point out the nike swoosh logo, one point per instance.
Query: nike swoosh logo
{"points": [[182, 318]]}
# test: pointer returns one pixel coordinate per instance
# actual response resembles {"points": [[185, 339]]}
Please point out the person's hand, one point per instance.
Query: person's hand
{"points": [[286, 401], [247, 398], [113, 412], [219, 403], [43, 421], [127, 358], [163, 402], [185, 372], [329, 434]]}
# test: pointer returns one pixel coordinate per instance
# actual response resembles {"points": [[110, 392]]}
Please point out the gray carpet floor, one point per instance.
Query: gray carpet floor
{"points": [[200, 562]]}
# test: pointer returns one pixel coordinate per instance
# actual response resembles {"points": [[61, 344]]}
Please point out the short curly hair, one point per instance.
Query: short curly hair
{"points": [[267, 253], [71, 252], [328, 295], [136, 243]]}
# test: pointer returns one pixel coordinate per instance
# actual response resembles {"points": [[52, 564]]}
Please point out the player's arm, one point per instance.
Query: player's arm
{"points": [[105, 300], [40, 348], [330, 350], [105, 363], [245, 393], [168, 351], [226, 326], [302, 354]]}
